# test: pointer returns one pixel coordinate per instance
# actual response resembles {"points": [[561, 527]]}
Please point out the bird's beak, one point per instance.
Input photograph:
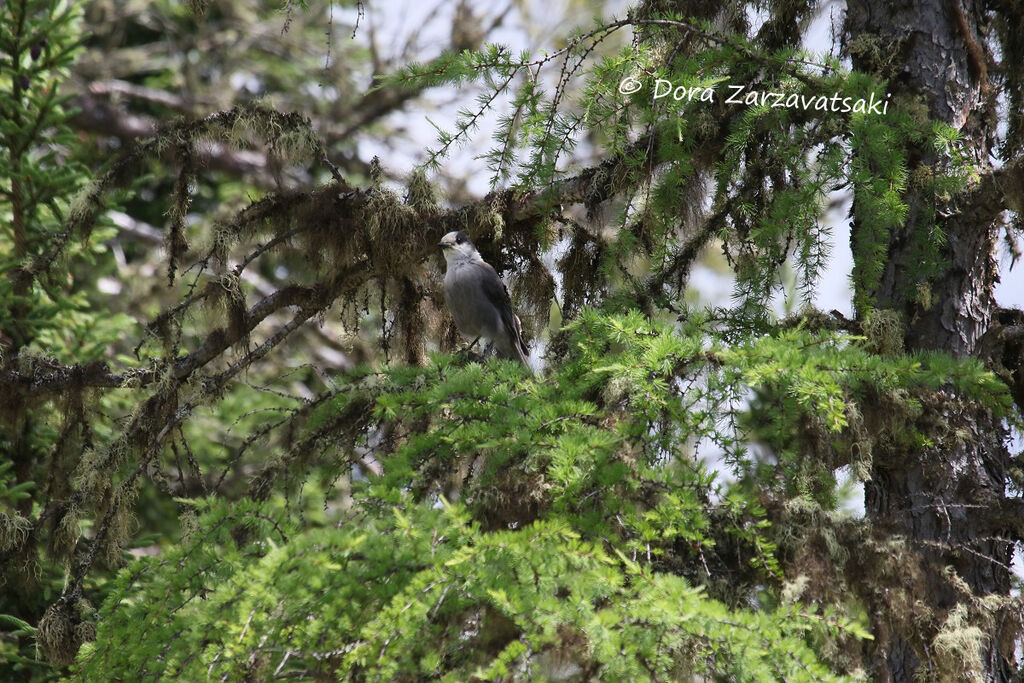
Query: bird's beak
{"points": [[444, 245]]}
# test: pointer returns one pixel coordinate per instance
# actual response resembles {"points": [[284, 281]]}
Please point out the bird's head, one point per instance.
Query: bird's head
{"points": [[457, 247]]}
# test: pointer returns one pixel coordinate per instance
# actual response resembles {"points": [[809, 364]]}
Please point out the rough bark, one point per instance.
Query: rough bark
{"points": [[941, 503]]}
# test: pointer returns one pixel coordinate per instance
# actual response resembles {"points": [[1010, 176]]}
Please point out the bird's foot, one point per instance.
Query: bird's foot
{"points": [[476, 353], [468, 355]]}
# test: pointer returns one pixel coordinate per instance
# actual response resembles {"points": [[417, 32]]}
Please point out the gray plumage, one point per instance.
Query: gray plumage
{"points": [[478, 300]]}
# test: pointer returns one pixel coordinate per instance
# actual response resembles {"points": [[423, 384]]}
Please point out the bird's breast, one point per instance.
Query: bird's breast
{"points": [[473, 313]]}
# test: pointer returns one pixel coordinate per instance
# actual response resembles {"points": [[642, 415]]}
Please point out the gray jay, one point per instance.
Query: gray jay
{"points": [[478, 300]]}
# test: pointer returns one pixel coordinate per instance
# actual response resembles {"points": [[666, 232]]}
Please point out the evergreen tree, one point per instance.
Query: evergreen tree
{"points": [[663, 500]]}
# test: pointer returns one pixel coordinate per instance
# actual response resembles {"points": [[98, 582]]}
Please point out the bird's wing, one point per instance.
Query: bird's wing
{"points": [[496, 292]]}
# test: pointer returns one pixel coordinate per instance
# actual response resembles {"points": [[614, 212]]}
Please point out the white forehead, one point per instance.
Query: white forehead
{"points": [[450, 237]]}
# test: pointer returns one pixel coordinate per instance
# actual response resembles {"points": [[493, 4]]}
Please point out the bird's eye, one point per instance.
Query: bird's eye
{"points": [[459, 240]]}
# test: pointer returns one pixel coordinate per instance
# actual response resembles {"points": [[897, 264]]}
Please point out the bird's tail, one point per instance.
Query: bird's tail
{"points": [[519, 345]]}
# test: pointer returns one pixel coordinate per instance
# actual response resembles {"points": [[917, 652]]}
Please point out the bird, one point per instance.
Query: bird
{"points": [[478, 299]]}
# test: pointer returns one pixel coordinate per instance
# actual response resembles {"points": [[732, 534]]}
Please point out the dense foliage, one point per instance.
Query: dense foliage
{"points": [[256, 452]]}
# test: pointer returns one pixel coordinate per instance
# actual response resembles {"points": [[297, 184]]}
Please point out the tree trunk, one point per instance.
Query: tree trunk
{"points": [[933, 509]]}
